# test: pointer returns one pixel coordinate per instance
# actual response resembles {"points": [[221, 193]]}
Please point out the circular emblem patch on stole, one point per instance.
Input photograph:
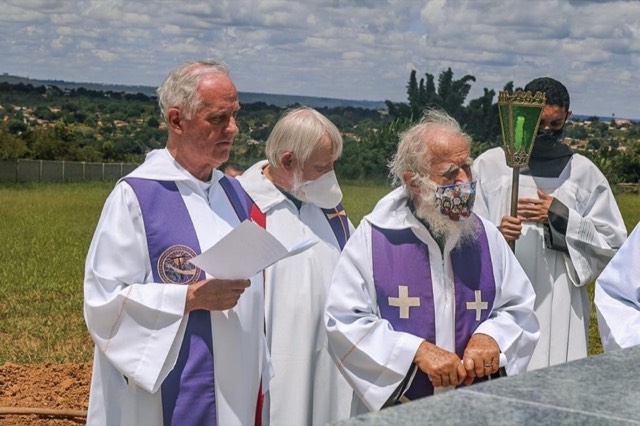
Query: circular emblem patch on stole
{"points": [[174, 268]]}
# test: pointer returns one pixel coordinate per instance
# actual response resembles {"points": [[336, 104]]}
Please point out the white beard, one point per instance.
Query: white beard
{"points": [[454, 233], [296, 186]]}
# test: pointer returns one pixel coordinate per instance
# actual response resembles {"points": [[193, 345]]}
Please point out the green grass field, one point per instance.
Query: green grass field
{"points": [[45, 231]]}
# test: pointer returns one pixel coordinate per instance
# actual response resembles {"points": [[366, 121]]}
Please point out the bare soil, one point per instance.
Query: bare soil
{"points": [[50, 388]]}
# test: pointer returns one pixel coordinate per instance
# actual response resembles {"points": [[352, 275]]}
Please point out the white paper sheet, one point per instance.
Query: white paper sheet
{"points": [[245, 251]]}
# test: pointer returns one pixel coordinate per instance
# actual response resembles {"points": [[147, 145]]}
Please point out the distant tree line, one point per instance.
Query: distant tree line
{"points": [[49, 123], [614, 148], [479, 119]]}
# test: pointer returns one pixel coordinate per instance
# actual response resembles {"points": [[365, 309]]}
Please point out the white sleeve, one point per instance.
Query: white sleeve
{"points": [[370, 354], [595, 233], [135, 323], [512, 323], [617, 297], [481, 203]]}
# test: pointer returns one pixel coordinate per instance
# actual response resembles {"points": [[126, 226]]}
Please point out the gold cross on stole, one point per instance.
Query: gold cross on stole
{"points": [[336, 214], [403, 301]]}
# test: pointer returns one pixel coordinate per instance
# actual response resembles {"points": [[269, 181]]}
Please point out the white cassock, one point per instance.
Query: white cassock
{"points": [[595, 230], [617, 296], [373, 356], [138, 325], [307, 388]]}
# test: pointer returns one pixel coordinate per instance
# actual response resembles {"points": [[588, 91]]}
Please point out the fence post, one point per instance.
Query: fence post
{"points": [[17, 170], [62, 177]]}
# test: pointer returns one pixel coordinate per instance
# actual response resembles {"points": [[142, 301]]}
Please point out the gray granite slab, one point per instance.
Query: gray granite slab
{"points": [[599, 390]]}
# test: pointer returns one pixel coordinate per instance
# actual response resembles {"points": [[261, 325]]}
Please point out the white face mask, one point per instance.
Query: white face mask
{"points": [[323, 192]]}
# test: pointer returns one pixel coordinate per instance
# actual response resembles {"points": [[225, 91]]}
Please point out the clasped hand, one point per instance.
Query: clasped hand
{"points": [[214, 294], [444, 368], [529, 210]]}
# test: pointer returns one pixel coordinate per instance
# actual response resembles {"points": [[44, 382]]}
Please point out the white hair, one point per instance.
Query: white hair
{"points": [[180, 88], [414, 152], [300, 131]]}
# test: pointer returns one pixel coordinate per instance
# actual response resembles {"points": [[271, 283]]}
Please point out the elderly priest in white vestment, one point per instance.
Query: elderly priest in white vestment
{"points": [[567, 228], [617, 296], [427, 296], [175, 346], [296, 197]]}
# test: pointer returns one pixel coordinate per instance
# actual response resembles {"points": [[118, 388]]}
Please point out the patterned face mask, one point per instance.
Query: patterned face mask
{"points": [[456, 201]]}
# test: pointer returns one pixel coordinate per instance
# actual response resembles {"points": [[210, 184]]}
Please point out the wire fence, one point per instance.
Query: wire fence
{"points": [[76, 171], [61, 171]]}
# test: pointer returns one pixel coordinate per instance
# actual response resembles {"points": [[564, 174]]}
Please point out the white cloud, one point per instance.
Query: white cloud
{"points": [[105, 55], [338, 48]]}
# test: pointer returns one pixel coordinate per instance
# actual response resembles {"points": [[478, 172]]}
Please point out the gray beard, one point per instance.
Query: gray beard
{"points": [[454, 233], [296, 186]]}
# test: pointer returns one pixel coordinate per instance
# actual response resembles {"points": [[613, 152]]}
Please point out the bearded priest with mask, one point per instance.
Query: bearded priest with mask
{"points": [[297, 197], [427, 296], [567, 228]]}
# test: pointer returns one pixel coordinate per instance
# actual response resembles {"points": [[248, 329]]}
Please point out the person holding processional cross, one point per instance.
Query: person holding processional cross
{"points": [[566, 229], [426, 295]]}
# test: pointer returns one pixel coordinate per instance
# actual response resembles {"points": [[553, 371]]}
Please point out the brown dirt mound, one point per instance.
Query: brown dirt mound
{"points": [[46, 388]]}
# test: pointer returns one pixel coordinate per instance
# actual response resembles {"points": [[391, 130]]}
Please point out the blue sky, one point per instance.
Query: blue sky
{"points": [[349, 49]]}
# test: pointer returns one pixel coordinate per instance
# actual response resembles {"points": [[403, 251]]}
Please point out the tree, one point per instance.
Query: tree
{"points": [[11, 146], [45, 113], [16, 126], [481, 119], [575, 132], [450, 96], [594, 144], [369, 157], [153, 122], [453, 93], [413, 95]]}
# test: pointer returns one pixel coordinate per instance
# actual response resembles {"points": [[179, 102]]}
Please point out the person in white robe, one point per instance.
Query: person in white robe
{"points": [[173, 346], [426, 295], [617, 296], [567, 229], [297, 197]]}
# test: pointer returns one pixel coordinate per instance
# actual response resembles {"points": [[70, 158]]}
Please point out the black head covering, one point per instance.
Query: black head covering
{"points": [[550, 155]]}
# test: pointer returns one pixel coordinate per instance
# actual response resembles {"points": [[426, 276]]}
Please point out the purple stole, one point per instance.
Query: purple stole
{"points": [[188, 392], [401, 270], [339, 222]]}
